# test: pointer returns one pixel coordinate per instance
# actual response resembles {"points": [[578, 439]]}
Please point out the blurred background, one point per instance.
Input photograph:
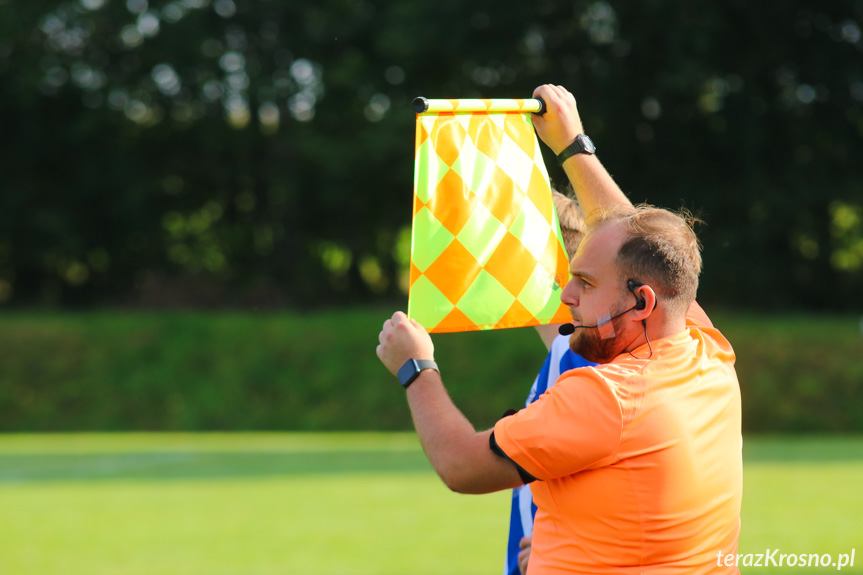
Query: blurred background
{"points": [[258, 154], [202, 200], [205, 211]]}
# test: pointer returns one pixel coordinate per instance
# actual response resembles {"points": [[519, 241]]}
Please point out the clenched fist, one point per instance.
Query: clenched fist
{"points": [[402, 339]]}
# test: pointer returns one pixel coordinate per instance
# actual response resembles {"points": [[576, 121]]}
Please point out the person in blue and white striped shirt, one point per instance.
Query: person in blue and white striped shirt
{"points": [[560, 359]]}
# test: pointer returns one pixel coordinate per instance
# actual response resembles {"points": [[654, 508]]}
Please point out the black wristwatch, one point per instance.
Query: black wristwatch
{"points": [[581, 145], [412, 368]]}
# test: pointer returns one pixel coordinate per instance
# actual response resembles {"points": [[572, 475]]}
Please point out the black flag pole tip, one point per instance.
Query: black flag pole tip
{"points": [[420, 105], [541, 110]]}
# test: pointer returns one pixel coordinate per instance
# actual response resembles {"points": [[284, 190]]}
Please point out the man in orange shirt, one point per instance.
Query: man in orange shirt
{"points": [[635, 463]]}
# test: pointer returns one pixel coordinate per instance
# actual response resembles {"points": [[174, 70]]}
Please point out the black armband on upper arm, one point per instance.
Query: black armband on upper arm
{"points": [[495, 448]]}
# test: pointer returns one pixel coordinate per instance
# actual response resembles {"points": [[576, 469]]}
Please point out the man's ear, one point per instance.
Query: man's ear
{"points": [[645, 295]]}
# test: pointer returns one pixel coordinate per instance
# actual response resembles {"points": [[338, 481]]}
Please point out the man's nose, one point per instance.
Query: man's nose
{"points": [[569, 295]]}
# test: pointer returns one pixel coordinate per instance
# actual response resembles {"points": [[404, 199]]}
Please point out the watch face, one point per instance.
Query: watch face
{"points": [[586, 144], [408, 371]]}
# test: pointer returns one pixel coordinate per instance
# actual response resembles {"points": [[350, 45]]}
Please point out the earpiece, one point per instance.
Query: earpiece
{"points": [[639, 301]]}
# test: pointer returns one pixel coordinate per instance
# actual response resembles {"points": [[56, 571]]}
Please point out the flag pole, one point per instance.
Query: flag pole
{"points": [[427, 106]]}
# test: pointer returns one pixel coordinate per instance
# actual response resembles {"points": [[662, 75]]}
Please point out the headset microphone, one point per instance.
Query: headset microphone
{"points": [[569, 329]]}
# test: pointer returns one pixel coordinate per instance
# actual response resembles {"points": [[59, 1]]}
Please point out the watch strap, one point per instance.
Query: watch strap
{"points": [[580, 145]]}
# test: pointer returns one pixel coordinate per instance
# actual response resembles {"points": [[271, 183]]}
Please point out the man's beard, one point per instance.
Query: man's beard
{"points": [[587, 343]]}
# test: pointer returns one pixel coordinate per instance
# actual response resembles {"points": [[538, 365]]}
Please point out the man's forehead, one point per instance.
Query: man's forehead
{"points": [[597, 253]]}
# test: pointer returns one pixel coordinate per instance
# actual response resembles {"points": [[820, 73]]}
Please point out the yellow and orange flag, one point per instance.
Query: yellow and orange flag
{"points": [[486, 247]]}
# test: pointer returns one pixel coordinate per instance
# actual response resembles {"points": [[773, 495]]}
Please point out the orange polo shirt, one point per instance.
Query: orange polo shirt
{"points": [[639, 460]]}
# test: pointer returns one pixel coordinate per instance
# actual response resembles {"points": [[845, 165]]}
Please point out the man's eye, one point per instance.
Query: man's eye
{"points": [[584, 283]]}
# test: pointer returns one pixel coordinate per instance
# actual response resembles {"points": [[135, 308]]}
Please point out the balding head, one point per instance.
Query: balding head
{"points": [[659, 248]]}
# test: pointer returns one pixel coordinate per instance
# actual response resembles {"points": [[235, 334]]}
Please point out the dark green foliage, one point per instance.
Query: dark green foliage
{"points": [[122, 180], [115, 371], [799, 372]]}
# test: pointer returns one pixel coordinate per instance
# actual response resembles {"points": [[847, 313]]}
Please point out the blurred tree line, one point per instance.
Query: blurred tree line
{"points": [[260, 153]]}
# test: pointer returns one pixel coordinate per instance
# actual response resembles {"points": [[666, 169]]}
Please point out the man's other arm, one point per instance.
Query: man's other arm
{"points": [[558, 127], [695, 314], [547, 333], [459, 454]]}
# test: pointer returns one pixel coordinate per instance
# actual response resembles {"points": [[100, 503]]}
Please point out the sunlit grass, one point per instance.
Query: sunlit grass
{"points": [[363, 504]]}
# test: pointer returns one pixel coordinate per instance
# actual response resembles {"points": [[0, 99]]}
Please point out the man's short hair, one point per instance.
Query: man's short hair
{"points": [[571, 219], [660, 249]]}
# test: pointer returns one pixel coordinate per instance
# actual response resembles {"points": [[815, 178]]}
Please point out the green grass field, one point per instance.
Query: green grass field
{"points": [[340, 504]]}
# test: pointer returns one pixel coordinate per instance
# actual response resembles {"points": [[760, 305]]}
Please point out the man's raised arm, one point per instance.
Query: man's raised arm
{"points": [[557, 128]]}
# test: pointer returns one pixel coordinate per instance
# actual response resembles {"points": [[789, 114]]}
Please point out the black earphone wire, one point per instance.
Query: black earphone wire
{"points": [[649, 346], [640, 303]]}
